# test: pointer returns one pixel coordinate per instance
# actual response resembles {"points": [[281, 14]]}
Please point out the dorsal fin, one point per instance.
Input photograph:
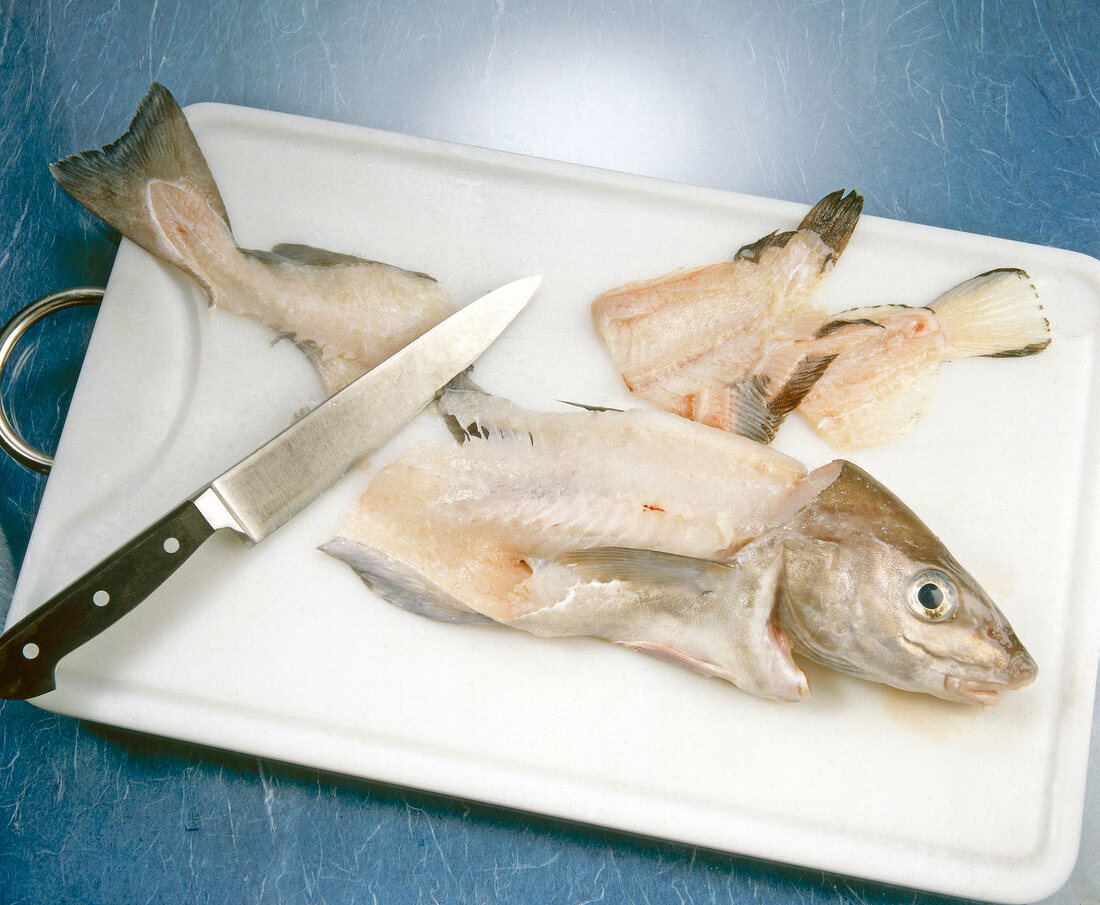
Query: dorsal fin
{"points": [[323, 257]]}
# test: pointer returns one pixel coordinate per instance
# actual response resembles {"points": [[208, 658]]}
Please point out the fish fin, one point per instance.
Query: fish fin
{"points": [[767, 667], [757, 414], [677, 657], [322, 257], [158, 147], [995, 314], [748, 410], [607, 564], [404, 587], [758, 655], [754, 250], [834, 219], [589, 408], [840, 323], [789, 396]]}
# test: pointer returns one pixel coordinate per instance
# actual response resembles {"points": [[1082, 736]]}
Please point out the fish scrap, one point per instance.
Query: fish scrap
{"points": [[741, 344], [155, 187]]}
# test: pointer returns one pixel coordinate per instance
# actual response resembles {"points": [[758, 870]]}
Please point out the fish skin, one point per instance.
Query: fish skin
{"points": [[154, 186], [740, 345], [679, 541]]}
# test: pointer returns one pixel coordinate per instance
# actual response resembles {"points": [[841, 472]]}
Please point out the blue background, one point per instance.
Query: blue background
{"points": [[981, 116]]}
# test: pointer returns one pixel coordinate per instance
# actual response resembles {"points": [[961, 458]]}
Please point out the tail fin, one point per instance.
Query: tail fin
{"points": [[995, 314], [113, 183]]}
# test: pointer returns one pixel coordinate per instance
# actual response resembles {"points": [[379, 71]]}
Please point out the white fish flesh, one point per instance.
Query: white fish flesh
{"points": [[680, 541], [740, 344], [154, 186]]}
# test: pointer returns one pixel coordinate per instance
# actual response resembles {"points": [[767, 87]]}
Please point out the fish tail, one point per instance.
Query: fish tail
{"points": [[115, 183], [995, 314]]}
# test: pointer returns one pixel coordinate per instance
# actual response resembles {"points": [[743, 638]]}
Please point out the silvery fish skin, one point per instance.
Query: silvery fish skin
{"points": [[679, 541], [739, 345], [154, 186]]}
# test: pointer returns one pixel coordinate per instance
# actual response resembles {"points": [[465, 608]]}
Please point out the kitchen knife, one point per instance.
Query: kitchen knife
{"points": [[261, 492]]}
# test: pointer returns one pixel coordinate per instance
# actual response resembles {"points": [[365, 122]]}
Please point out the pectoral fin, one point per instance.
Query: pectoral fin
{"points": [[757, 411], [648, 566], [715, 618]]}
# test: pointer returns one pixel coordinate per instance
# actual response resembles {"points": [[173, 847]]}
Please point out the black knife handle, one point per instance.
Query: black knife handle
{"points": [[30, 650]]}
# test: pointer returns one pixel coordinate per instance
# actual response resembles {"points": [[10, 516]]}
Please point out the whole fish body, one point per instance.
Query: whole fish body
{"points": [[154, 186], [741, 344], [679, 541]]}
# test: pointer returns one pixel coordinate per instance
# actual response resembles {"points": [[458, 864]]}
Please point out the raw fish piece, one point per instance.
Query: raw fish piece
{"points": [[154, 186], [884, 373], [679, 541], [740, 345], [686, 339]]}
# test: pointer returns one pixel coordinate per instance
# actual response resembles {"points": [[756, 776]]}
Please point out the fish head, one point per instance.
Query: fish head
{"points": [[871, 591]]}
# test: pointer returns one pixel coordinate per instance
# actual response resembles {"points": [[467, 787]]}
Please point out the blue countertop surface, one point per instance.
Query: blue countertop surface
{"points": [[983, 117]]}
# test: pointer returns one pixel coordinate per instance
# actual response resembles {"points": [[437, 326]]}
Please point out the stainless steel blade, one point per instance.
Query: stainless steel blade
{"points": [[271, 485]]}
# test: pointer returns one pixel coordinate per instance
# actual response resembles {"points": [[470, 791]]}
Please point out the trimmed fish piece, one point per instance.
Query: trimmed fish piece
{"points": [[741, 345], [154, 186], [884, 374], [686, 339], [679, 541]]}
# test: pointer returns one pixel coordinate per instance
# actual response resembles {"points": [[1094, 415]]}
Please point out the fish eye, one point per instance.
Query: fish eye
{"points": [[932, 596]]}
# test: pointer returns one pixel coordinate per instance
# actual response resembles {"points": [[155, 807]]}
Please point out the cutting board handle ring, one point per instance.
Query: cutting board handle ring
{"points": [[10, 439]]}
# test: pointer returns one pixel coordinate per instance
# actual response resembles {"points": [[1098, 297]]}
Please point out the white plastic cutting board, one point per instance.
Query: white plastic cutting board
{"points": [[281, 652]]}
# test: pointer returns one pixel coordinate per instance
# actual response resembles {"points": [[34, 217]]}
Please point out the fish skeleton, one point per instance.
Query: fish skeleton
{"points": [[680, 541], [154, 186], [739, 345]]}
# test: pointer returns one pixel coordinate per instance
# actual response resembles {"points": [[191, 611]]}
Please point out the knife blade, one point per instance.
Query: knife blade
{"points": [[261, 492]]}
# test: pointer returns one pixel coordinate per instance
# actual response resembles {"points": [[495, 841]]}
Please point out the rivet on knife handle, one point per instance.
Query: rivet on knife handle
{"points": [[30, 650]]}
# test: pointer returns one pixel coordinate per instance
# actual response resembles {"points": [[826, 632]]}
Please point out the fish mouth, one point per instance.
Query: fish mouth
{"points": [[986, 693], [1020, 671]]}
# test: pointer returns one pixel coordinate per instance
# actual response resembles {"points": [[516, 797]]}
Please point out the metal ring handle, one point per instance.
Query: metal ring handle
{"points": [[10, 440]]}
